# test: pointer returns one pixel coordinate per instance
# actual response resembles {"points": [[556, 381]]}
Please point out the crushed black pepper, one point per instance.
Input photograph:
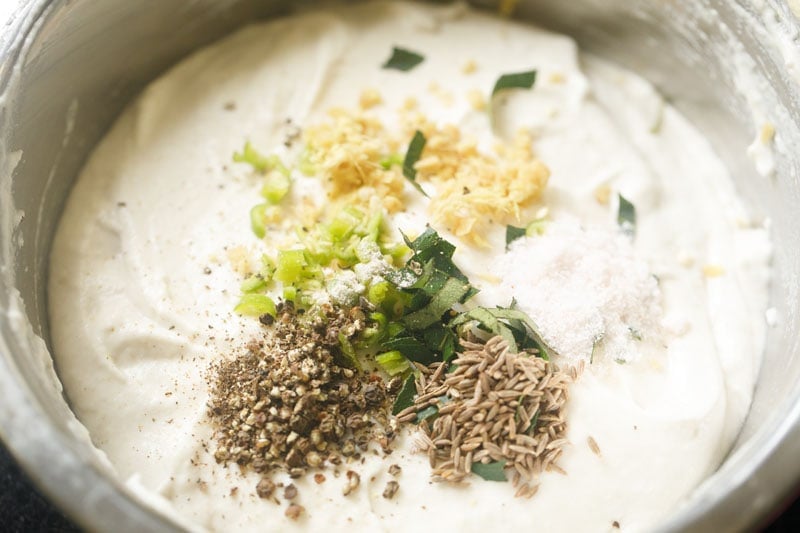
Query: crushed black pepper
{"points": [[290, 402], [391, 489]]}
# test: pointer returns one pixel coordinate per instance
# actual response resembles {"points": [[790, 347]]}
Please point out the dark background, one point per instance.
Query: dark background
{"points": [[23, 510]]}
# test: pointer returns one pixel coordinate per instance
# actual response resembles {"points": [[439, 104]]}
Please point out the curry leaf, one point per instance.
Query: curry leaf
{"points": [[513, 233], [402, 59], [406, 396], [451, 294], [518, 80], [503, 322], [534, 421], [428, 412], [412, 349], [494, 471], [413, 154], [626, 217]]}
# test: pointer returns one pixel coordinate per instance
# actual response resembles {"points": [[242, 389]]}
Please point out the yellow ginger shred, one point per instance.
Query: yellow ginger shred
{"points": [[346, 152], [474, 189], [369, 98], [477, 99], [469, 67], [602, 193], [713, 271], [239, 258]]}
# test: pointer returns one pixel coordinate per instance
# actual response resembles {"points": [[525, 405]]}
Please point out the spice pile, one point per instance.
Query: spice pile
{"points": [[288, 403], [496, 412]]}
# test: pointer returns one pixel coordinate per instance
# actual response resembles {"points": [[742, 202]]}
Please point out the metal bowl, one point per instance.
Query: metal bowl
{"points": [[67, 68]]}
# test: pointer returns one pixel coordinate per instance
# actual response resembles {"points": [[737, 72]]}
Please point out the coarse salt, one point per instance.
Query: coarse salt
{"points": [[586, 289]]}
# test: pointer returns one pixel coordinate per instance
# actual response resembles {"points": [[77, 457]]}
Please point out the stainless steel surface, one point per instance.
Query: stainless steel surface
{"points": [[69, 67]]}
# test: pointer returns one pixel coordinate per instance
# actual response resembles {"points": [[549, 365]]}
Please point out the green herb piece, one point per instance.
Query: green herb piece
{"points": [[345, 223], [405, 398], [290, 266], [441, 339], [267, 267], [425, 291], [305, 165], [536, 227], [513, 233], [534, 421], [520, 398], [626, 217], [429, 412], [494, 471], [519, 80], [595, 343], [403, 59], [397, 252], [487, 321], [429, 246], [276, 187], [392, 363], [393, 160], [412, 156], [448, 346], [377, 293], [259, 162], [450, 294], [371, 231], [411, 348], [290, 293], [254, 283], [255, 305], [348, 351], [516, 327], [378, 326], [258, 220], [522, 324]]}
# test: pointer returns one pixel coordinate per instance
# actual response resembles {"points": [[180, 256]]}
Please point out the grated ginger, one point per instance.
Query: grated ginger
{"points": [[473, 189], [347, 152]]}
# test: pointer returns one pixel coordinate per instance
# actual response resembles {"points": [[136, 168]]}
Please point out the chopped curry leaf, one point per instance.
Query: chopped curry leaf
{"points": [[412, 156], [348, 352], [513, 233], [412, 349], [428, 412], [518, 80], [494, 471], [626, 217], [449, 295], [402, 59], [532, 329], [440, 339], [406, 396], [534, 421], [509, 324], [429, 246]]}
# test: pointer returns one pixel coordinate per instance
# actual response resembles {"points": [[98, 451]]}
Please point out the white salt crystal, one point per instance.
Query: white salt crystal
{"points": [[584, 286]]}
